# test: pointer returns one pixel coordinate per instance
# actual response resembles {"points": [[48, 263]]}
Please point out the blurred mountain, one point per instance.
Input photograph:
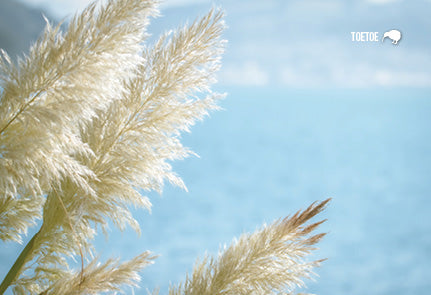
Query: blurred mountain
{"points": [[20, 25]]}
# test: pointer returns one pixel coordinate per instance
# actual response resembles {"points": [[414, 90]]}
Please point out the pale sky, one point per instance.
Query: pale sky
{"points": [[308, 43]]}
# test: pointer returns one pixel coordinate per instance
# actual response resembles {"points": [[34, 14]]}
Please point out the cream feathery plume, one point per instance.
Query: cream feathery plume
{"points": [[58, 87], [134, 140], [268, 261], [96, 278], [131, 143], [17, 214]]}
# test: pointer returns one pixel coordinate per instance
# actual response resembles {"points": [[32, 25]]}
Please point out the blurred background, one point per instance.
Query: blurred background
{"points": [[309, 114]]}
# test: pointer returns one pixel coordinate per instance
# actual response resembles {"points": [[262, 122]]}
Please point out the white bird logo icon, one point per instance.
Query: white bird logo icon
{"points": [[394, 35]]}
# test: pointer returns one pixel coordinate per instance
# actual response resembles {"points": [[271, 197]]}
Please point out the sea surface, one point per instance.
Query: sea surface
{"points": [[272, 152]]}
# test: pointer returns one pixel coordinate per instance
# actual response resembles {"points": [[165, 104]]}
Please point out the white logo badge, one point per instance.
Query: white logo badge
{"points": [[394, 35]]}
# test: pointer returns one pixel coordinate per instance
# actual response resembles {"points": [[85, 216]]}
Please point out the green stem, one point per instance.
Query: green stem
{"points": [[15, 271]]}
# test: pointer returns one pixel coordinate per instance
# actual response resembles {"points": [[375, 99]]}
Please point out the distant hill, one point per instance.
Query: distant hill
{"points": [[19, 26]]}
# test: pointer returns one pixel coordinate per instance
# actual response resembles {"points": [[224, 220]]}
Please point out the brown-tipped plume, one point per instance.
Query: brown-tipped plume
{"points": [[268, 261]]}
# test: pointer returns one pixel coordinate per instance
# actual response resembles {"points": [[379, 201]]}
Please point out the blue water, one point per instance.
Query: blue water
{"points": [[270, 153]]}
